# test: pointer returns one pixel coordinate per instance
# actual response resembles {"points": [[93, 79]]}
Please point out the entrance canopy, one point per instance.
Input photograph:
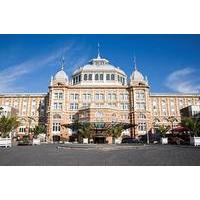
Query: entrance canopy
{"points": [[99, 128], [180, 129]]}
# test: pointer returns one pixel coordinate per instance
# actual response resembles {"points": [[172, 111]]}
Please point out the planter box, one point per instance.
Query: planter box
{"points": [[164, 140], [85, 140], [36, 141], [5, 142], [118, 141], [195, 141]]}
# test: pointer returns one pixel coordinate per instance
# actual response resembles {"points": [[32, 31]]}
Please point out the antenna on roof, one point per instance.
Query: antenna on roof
{"points": [[98, 56], [62, 63], [134, 61]]}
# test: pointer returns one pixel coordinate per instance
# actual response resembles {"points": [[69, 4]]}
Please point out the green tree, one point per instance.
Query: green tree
{"points": [[115, 131], [162, 129], [193, 124], [7, 125], [39, 130], [85, 130], [172, 119]]}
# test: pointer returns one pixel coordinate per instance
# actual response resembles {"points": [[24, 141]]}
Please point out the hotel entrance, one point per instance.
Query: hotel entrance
{"points": [[99, 140]]}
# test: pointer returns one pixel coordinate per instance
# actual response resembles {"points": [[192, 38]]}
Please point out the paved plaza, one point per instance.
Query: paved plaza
{"points": [[100, 155]]}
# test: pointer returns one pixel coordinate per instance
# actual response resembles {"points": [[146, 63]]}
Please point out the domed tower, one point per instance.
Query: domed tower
{"points": [[60, 77], [137, 78], [56, 104], [139, 106]]}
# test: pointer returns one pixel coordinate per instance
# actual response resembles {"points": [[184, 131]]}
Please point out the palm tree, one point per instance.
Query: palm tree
{"points": [[172, 119], [193, 124], [7, 125], [85, 130], [39, 130], [162, 129], [115, 131]]}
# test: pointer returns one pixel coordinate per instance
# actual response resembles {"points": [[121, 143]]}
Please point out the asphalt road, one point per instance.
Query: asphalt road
{"points": [[100, 155]]}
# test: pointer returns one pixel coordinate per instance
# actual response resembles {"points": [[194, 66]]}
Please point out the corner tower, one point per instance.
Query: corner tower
{"points": [[57, 111], [139, 106]]}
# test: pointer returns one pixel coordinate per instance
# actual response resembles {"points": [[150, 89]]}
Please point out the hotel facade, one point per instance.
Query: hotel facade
{"points": [[98, 92]]}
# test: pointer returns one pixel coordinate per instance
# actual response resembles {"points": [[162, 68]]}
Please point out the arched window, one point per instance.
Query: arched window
{"points": [[99, 116], [85, 77], [56, 116], [142, 116], [112, 77], [101, 77], [90, 77], [96, 77], [79, 78]]}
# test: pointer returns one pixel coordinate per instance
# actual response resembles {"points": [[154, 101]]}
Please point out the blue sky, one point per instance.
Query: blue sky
{"points": [[171, 62]]}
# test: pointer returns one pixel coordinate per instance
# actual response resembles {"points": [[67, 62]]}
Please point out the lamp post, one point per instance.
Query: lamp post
{"points": [[147, 137]]}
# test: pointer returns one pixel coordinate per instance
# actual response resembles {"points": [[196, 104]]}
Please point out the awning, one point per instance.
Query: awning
{"points": [[180, 129]]}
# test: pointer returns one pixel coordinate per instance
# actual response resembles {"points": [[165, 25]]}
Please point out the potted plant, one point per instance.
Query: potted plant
{"points": [[40, 129], [115, 132], [85, 131], [193, 125], [163, 129]]}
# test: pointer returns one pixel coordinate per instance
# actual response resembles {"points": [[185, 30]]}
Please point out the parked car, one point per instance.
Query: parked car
{"points": [[179, 139], [175, 140], [130, 140]]}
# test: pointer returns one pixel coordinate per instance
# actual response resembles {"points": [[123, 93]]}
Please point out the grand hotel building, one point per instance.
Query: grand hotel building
{"points": [[97, 92]]}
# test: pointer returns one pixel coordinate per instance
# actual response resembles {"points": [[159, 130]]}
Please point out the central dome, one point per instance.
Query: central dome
{"points": [[99, 71], [99, 64]]}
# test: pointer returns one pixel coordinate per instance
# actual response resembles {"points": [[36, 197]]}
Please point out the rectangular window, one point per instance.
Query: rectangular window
{"points": [[101, 96], [109, 96], [114, 96], [101, 77], [60, 95], [57, 106], [73, 106], [56, 95], [84, 96], [97, 96], [56, 127], [74, 96], [107, 77]]}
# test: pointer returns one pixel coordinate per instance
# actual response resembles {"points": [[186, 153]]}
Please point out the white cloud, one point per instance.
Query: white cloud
{"points": [[10, 76], [186, 80]]}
